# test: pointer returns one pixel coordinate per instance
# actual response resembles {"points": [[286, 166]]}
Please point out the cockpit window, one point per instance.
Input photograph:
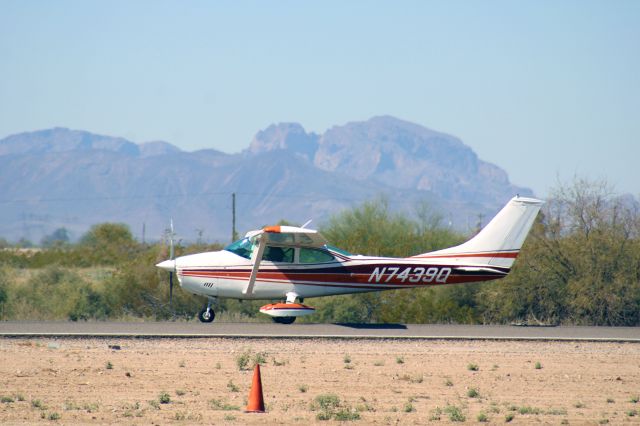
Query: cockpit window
{"points": [[311, 255], [243, 247], [338, 250], [278, 254]]}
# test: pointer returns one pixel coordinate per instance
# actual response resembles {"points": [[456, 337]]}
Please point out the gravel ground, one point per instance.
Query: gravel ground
{"points": [[84, 381]]}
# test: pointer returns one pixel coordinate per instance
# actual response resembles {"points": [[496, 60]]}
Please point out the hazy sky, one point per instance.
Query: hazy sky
{"points": [[541, 88]]}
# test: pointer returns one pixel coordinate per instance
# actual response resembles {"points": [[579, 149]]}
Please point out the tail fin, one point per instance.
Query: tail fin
{"points": [[499, 243]]}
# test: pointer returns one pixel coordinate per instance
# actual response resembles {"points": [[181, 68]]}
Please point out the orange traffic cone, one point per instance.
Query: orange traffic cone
{"points": [[256, 402]]}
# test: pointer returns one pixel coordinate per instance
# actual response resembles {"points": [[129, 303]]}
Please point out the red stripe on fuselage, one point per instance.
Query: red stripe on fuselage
{"points": [[359, 280], [507, 255]]}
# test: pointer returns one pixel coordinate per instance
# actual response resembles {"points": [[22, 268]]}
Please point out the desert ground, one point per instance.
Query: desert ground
{"points": [[207, 381]]}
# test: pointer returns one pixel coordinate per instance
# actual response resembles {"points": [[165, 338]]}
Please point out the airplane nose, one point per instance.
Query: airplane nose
{"points": [[167, 265]]}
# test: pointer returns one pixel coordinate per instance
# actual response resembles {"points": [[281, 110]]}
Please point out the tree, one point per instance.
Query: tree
{"points": [[108, 244], [58, 238], [373, 229], [580, 265]]}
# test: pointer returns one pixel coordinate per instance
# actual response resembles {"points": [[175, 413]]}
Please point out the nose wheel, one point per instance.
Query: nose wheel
{"points": [[206, 314]]}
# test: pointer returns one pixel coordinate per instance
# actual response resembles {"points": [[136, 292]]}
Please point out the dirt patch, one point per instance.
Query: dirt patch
{"points": [[306, 381]]}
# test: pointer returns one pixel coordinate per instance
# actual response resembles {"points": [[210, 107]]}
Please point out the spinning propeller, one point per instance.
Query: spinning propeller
{"points": [[169, 265], [171, 255]]}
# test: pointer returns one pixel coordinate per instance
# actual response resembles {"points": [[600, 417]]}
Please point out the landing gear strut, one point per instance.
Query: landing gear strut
{"points": [[207, 314]]}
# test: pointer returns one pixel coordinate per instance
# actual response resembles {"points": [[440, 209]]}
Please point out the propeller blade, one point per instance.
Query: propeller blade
{"points": [[170, 288], [170, 264], [171, 241]]}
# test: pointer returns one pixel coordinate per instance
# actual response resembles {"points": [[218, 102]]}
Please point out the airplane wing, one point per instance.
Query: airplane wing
{"points": [[290, 236]]}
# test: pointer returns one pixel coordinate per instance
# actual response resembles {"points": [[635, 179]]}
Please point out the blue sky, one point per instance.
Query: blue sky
{"points": [[544, 89]]}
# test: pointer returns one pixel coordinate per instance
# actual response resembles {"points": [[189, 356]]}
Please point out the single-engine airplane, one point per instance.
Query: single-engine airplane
{"points": [[293, 263]]}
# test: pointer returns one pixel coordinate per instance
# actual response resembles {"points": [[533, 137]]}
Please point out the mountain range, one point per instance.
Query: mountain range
{"points": [[71, 178]]}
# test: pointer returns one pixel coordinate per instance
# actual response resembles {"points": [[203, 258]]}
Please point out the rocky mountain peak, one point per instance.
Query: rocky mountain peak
{"points": [[155, 148], [395, 151], [61, 139], [285, 136], [286, 173]]}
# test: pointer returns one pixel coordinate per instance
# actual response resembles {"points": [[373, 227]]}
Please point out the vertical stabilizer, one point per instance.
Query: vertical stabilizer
{"points": [[499, 243]]}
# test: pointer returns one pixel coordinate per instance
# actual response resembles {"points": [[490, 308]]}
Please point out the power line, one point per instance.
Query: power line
{"points": [[166, 196]]}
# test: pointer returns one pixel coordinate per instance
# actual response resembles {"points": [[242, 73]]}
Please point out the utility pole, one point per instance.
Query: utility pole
{"points": [[144, 231], [479, 225], [234, 234]]}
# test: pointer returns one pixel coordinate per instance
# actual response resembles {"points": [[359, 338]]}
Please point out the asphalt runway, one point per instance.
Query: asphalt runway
{"points": [[337, 331]]}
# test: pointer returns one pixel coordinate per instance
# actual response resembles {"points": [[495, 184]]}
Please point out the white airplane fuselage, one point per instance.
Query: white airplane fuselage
{"points": [[224, 274], [289, 263]]}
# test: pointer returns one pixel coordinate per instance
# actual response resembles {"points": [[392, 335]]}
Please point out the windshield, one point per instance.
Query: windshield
{"points": [[243, 247]]}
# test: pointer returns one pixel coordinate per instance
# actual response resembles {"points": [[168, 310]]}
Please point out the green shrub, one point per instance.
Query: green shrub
{"points": [[327, 401], [324, 415], [232, 386], [248, 360], [529, 410], [346, 414], [242, 361], [218, 404], [36, 403], [455, 413], [260, 358], [436, 414], [164, 398]]}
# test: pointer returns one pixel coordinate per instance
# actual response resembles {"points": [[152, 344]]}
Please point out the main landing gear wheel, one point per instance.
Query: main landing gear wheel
{"points": [[206, 315], [284, 320]]}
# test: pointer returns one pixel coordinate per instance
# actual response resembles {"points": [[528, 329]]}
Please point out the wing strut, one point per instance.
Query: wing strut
{"points": [[262, 243]]}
